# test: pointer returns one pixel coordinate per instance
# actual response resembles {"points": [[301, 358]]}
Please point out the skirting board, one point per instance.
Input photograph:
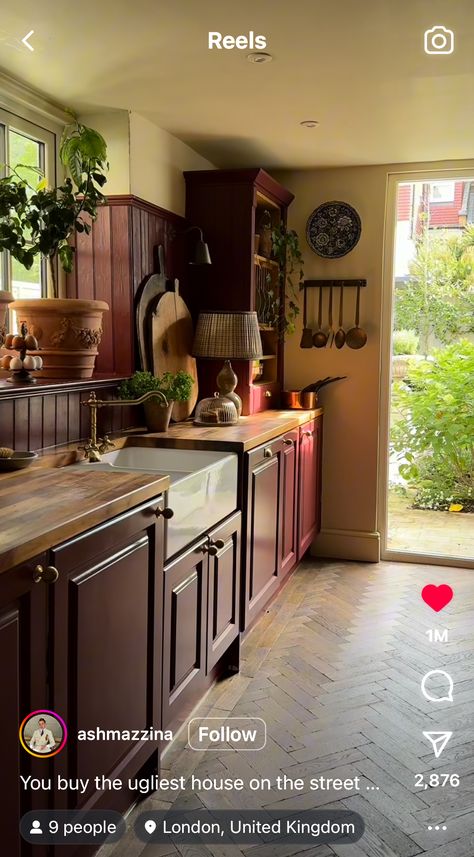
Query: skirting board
{"points": [[347, 544]]}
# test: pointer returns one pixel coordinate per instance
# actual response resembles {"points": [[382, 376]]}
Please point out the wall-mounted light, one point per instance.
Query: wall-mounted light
{"points": [[200, 252]]}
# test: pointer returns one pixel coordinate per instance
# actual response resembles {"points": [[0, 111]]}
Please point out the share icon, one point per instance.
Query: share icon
{"points": [[438, 741]]}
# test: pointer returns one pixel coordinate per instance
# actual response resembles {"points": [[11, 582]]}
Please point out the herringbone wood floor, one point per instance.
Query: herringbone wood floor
{"points": [[334, 667]]}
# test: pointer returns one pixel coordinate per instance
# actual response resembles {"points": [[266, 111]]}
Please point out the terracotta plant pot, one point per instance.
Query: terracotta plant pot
{"points": [[5, 299], [68, 331], [157, 416]]}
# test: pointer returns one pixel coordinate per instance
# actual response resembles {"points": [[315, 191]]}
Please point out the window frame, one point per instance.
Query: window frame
{"points": [[48, 138]]}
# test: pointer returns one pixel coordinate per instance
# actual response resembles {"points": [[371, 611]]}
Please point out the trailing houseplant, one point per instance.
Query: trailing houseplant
{"points": [[287, 252], [39, 220], [176, 387]]}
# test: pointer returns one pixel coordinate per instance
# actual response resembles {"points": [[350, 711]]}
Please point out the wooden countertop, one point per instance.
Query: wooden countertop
{"points": [[249, 433], [49, 503], [40, 508]]}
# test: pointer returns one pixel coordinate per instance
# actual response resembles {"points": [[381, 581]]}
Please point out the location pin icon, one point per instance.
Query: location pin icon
{"points": [[150, 826]]}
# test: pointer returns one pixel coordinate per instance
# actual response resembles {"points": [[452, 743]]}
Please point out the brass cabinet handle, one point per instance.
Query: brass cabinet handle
{"points": [[49, 574], [308, 434], [287, 441], [164, 513], [267, 453], [268, 394]]}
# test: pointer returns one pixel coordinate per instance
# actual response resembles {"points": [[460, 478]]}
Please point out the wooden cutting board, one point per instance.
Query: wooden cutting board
{"points": [[156, 284], [172, 341]]}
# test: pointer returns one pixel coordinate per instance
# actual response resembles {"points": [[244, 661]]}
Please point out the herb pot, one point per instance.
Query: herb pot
{"points": [[157, 416]]}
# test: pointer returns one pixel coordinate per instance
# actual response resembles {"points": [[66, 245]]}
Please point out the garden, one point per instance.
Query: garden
{"points": [[432, 425]]}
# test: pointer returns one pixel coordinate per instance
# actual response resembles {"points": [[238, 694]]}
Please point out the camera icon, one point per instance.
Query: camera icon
{"points": [[439, 40]]}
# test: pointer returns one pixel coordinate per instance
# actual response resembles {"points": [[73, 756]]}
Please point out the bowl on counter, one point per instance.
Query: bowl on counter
{"points": [[297, 400], [18, 461]]}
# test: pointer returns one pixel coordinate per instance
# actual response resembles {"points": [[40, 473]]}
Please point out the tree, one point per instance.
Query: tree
{"points": [[439, 297]]}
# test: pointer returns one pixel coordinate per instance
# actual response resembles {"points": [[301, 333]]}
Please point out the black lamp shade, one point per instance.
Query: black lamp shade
{"points": [[200, 254]]}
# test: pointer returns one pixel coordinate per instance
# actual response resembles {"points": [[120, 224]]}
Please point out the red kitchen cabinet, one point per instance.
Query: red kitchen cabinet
{"points": [[289, 541], [309, 483], [223, 622], [263, 526], [23, 672]]}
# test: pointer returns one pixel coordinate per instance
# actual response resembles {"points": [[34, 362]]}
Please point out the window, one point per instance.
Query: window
{"points": [[442, 192], [22, 142]]}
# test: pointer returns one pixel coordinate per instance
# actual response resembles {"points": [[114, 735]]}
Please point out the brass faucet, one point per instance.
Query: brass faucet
{"points": [[96, 447]]}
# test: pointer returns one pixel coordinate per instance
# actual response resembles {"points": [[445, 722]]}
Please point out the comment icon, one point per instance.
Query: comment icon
{"points": [[430, 686]]}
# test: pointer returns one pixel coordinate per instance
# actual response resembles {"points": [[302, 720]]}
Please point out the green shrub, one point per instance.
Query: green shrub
{"points": [[435, 434], [176, 387], [405, 342]]}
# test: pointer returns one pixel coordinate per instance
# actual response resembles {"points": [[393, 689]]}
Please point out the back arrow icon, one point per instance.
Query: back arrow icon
{"points": [[26, 42]]}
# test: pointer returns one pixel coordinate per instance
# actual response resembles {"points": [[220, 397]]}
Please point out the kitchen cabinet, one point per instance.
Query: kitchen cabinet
{"points": [[253, 202], [184, 623], [289, 540], [24, 682], [106, 645], [309, 483], [282, 487], [263, 526], [201, 615], [223, 619]]}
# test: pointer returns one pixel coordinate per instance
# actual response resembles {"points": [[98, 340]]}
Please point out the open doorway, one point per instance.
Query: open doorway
{"points": [[429, 487]]}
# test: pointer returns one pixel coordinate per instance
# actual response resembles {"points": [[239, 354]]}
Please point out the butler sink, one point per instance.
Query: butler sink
{"points": [[202, 492]]}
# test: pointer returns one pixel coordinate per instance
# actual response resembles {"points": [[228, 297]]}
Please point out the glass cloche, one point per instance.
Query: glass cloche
{"points": [[216, 411]]}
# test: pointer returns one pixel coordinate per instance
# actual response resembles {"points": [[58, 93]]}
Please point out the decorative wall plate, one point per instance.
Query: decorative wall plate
{"points": [[333, 229]]}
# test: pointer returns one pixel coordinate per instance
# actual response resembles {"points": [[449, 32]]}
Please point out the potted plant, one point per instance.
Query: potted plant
{"points": [[38, 220], [176, 387]]}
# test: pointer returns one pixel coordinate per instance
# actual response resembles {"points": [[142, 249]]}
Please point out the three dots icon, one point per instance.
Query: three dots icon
{"points": [[437, 827]]}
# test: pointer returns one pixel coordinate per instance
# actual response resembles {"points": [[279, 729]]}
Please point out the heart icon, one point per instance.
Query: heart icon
{"points": [[437, 597]]}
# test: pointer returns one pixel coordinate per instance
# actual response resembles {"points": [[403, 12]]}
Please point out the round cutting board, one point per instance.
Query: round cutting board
{"points": [[172, 340]]}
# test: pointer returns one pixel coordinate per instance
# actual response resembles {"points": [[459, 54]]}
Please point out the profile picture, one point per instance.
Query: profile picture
{"points": [[43, 733]]}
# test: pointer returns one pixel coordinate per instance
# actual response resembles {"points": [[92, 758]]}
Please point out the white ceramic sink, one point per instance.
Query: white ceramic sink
{"points": [[203, 487]]}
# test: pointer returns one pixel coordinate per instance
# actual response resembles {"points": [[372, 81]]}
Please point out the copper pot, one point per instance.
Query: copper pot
{"points": [[296, 400]]}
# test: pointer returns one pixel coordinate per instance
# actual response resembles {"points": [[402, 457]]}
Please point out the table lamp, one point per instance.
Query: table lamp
{"points": [[230, 336]]}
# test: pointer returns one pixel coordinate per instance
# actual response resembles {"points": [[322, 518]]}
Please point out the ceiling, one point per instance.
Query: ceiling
{"points": [[357, 66]]}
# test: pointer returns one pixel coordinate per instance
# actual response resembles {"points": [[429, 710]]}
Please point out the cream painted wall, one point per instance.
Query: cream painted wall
{"points": [[114, 127], [145, 160], [157, 163], [352, 407]]}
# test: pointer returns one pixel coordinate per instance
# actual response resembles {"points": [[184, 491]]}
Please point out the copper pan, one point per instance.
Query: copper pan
{"points": [[296, 400]]}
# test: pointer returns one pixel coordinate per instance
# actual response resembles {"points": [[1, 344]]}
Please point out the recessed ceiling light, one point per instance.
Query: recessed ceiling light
{"points": [[310, 123], [259, 57]]}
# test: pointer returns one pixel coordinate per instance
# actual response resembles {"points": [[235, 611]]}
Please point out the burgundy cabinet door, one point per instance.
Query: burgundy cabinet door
{"points": [[107, 648], [223, 615], [263, 527], [289, 541], [184, 632], [23, 679], [309, 490]]}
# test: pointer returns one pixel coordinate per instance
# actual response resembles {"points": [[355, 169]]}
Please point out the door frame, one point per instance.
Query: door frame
{"points": [[393, 180]]}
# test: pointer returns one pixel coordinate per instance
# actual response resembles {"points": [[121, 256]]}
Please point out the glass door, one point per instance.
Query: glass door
{"points": [[429, 485]]}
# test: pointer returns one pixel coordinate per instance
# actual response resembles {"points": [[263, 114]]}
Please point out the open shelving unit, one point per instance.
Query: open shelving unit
{"points": [[229, 206]]}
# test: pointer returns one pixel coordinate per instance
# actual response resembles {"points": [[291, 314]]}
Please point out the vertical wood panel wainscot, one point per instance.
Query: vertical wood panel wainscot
{"points": [[48, 415], [115, 259]]}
